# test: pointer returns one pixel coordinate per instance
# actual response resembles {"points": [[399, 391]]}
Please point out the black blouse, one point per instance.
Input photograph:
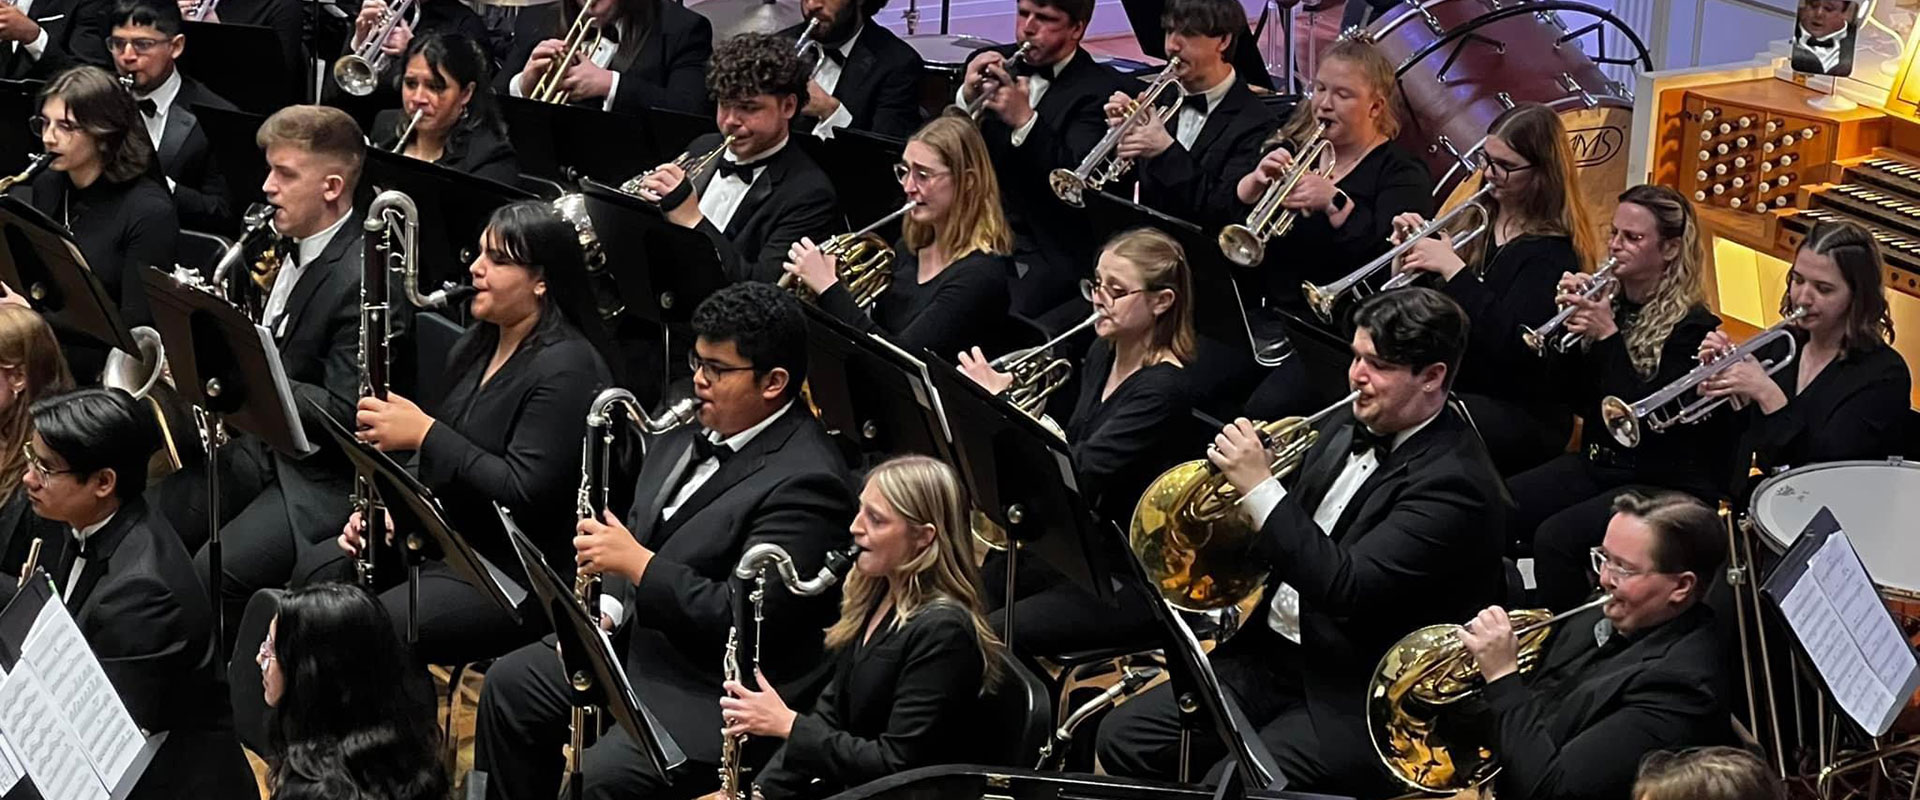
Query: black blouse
{"points": [[477, 147], [1389, 180], [1512, 287], [1120, 444], [121, 228], [905, 698], [1855, 408], [1682, 457], [965, 305]]}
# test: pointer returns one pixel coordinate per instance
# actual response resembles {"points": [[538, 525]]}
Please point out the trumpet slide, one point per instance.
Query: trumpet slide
{"points": [[1246, 245], [1103, 164], [863, 262], [583, 37], [689, 163], [1625, 421], [1324, 297], [987, 85], [358, 73], [1553, 333]]}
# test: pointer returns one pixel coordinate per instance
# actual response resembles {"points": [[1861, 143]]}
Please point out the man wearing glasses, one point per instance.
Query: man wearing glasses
{"points": [[758, 468], [145, 43], [1638, 674], [126, 579]]}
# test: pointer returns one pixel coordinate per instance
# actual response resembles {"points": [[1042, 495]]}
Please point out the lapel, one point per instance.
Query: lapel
{"points": [[1597, 695], [100, 550], [1056, 104], [858, 72], [180, 122], [1396, 464], [322, 270], [676, 451], [1325, 462], [735, 470], [762, 188], [1579, 631], [1223, 117]]}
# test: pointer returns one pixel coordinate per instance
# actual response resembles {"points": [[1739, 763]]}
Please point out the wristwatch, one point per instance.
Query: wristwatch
{"points": [[1339, 201]]}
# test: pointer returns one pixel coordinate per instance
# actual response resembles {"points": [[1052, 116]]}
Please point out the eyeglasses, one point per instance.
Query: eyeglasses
{"points": [[920, 176], [40, 468], [1501, 169], [1603, 562], [714, 369], [141, 45], [1114, 294], [38, 124]]}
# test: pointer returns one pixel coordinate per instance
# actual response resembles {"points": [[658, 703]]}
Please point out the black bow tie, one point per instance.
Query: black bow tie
{"points": [[148, 107], [741, 172], [1025, 68], [80, 547], [1365, 439], [1197, 102], [705, 448], [834, 54], [1824, 44], [286, 248]]}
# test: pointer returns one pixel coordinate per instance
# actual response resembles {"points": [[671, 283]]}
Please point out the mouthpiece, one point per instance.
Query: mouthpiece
{"points": [[840, 562], [452, 294]]}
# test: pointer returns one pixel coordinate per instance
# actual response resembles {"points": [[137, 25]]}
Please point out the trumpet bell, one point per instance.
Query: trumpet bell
{"points": [[1241, 246], [1620, 421], [1069, 187], [1535, 342], [1320, 299], [354, 75]]}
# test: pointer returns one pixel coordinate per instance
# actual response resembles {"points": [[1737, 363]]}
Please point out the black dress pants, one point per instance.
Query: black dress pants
{"points": [[457, 623]]}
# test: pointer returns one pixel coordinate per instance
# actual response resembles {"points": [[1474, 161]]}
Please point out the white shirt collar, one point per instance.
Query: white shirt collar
{"points": [[1053, 73], [846, 47], [82, 534], [164, 94], [741, 439], [1218, 91], [312, 246]]}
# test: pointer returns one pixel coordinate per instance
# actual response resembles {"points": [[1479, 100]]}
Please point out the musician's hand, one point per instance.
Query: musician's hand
{"points": [[187, 6], [977, 366], [587, 81], [370, 13], [1313, 193], [1147, 139], [606, 547], [667, 178], [1489, 637], [398, 39], [16, 26], [1434, 255], [820, 103], [1593, 318], [970, 86], [1713, 345], [1404, 225], [1746, 381], [1241, 457], [351, 534], [1013, 100], [760, 713], [391, 424], [807, 264], [537, 62], [1574, 282], [1271, 167]]}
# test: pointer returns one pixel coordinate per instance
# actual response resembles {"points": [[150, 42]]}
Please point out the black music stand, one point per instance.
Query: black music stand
{"points": [[560, 142], [661, 273], [860, 165], [230, 137], [41, 260], [229, 367], [873, 393], [595, 678], [246, 64], [454, 208], [1021, 476], [418, 512]]}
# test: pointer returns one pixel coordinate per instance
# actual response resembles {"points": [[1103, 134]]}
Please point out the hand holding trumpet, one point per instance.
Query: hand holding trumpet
{"points": [[1743, 382], [1146, 139], [1434, 254], [1594, 318]]}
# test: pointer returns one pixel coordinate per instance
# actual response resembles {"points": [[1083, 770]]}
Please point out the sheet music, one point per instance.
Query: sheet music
{"points": [[1838, 615], [60, 655], [300, 444], [34, 723], [11, 770]]}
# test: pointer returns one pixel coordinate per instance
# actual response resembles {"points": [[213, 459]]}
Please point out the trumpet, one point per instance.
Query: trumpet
{"points": [[806, 44], [1102, 165], [863, 261], [987, 85], [690, 164], [407, 132], [1036, 376], [202, 9], [1324, 297], [1624, 421], [583, 37], [358, 73], [35, 167], [1246, 245], [1544, 336]]}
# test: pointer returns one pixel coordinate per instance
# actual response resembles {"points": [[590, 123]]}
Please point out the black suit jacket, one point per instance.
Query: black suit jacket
{"points": [[667, 69], [1199, 184], [477, 148], [186, 156], [76, 34], [880, 83], [1572, 731], [786, 486], [792, 198], [903, 699]]}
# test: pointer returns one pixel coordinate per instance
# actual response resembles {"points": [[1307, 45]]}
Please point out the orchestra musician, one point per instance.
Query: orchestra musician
{"points": [[1845, 395], [41, 38], [1046, 113], [653, 54], [517, 383], [1616, 683], [1644, 336], [914, 650], [343, 725], [1396, 500], [126, 578], [31, 367], [1538, 228], [951, 266], [146, 42], [425, 17], [1129, 424], [869, 79], [461, 128], [1191, 171], [1707, 773], [764, 192], [757, 468]]}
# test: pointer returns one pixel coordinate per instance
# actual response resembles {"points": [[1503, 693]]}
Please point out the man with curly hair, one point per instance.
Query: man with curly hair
{"points": [[763, 194]]}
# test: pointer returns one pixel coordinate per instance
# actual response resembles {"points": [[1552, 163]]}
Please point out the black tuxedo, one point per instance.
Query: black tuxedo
{"points": [[1199, 184], [1426, 524], [199, 188], [786, 486], [792, 197], [476, 147], [879, 84], [144, 611], [76, 34], [666, 68]]}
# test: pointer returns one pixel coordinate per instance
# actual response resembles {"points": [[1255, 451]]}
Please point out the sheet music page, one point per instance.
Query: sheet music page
{"points": [[36, 727], [11, 770], [267, 344], [64, 662], [1837, 613]]}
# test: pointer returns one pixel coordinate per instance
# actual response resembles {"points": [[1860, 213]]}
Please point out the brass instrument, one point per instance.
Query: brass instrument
{"points": [[1191, 537], [1624, 421], [1102, 165], [202, 10], [1035, 376], [256, 223], [690, 164], [1539, 339], [1246, 245], [754, 565], [583, 37], [126, 82], [863, 261], [1324, 297], [140, 376], [38, 165], [806, 44], [33, 562], [987, 85], [1424, 674], [406, 133], [358, 73]]}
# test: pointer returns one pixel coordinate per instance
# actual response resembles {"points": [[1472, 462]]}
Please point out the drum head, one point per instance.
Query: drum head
{"points": [[1875, 503]]}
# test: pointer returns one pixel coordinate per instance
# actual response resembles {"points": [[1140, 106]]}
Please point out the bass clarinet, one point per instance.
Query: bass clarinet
{"points": [[389, 210]]}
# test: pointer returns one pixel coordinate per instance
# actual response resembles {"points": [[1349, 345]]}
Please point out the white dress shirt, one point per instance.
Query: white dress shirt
{"points": [[724, 193], [1189, 121], [1037, 84], [163, 97], [310, 248], [1828, 55], [80, 535], [600, 57], [1283, 609], [827, 75], [39, 44]]}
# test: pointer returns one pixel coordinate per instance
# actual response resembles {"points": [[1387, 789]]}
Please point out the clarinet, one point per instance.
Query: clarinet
{"points": [[389, 210]]}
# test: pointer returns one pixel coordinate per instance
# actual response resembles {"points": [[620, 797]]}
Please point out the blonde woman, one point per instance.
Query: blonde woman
{"points": [[31, 367], [952, 261], [1643, 336], [914, 650]]}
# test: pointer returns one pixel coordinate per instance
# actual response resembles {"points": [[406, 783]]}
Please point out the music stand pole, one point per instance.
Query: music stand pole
{"points": [[215, 435]]}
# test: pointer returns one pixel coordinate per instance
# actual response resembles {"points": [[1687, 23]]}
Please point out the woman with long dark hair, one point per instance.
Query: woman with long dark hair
{"points": [[446, 82], [345, 727]]}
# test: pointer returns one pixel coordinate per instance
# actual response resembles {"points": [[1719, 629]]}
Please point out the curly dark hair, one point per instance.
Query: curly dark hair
{"points": [[755, 64], [764, 323], [1415, 327]]}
